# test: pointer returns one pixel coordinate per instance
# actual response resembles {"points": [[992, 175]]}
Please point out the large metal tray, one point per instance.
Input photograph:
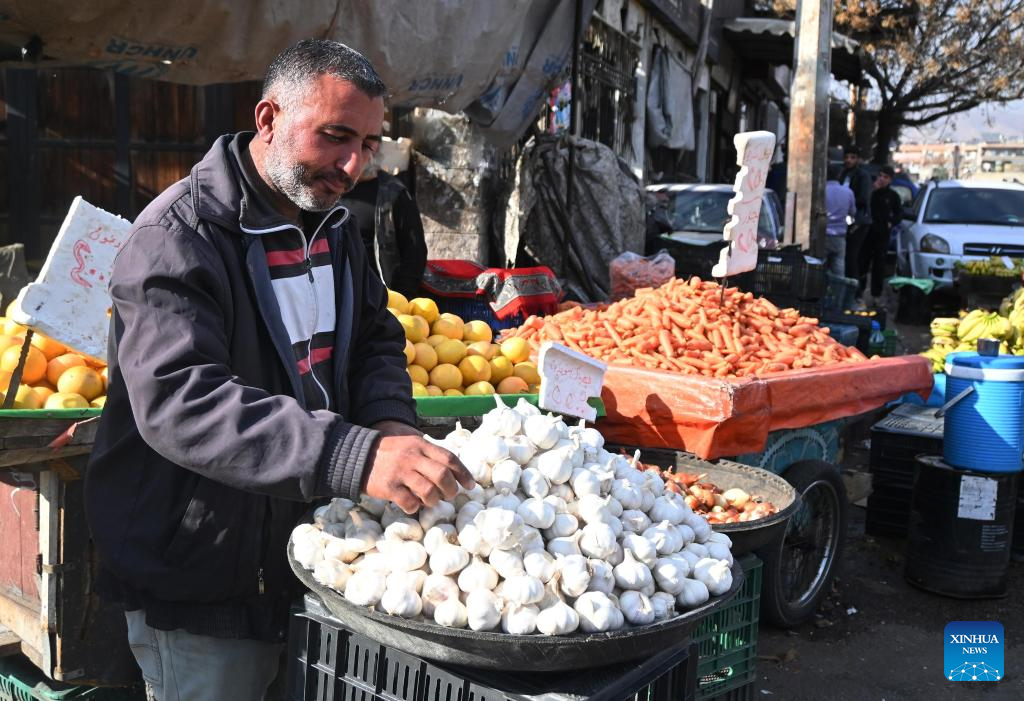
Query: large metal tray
{"points": [[492, 650]]}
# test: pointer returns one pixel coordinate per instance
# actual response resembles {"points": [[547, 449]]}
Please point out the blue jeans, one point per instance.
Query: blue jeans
{"points": [[835, 255], [180, 666]]}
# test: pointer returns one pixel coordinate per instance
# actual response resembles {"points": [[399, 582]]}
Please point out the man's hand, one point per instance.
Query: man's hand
{"points": [[410, 471]]}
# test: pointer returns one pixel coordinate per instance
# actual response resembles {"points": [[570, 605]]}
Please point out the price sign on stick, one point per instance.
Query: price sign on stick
{"points": [[568, 379], [70, 299], [754, 151]]}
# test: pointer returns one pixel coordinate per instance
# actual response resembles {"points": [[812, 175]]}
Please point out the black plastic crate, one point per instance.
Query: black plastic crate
{"points": [[694, 259], [896, 441], [787, 274], [327, 661]]}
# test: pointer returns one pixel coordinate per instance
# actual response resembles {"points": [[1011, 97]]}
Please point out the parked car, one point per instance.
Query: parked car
{"points": [[959, 220], [698, 212]]}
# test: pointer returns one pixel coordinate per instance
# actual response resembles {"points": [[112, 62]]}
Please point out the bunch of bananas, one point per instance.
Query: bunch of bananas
{"points": [[994, 267], [944, 327], [982, 324], [953, 334]]}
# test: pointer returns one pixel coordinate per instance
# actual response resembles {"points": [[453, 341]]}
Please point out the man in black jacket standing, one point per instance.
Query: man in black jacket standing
{"points": [[254, 367], [858, 180], [886, 212]]}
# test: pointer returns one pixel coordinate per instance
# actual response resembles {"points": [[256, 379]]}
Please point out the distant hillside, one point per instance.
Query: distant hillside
{"points": [[975, 124]]}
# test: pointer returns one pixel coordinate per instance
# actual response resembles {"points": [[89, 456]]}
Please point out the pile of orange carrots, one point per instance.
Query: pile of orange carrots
{"points": [[693, 327]]}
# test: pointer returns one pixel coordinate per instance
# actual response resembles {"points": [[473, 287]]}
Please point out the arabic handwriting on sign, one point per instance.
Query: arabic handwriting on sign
{"points": [[80, 250]]}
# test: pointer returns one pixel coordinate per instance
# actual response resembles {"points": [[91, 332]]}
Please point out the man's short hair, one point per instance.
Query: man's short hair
{"points": [[835, 170], [851, 150], [887, 170], [292, 73]]}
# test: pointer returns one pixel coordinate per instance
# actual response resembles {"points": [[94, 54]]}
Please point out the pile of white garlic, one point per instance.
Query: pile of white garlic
{"points": [[558, 535]]}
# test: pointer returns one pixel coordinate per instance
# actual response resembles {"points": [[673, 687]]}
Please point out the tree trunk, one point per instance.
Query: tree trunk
{"points": [[888, 132]]}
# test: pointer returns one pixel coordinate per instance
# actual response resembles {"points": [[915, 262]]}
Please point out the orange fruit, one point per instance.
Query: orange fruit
{"points": [[477, 331], [516, 349], [26, 398], [81, 380], [418, 375], [446, 376], [475, 368], [99, 402], [512, 385], [434, 391], [66, 400], [479, 388], [56, 367], [50, 348], [35, 363], [43, 392], [8, 341]]}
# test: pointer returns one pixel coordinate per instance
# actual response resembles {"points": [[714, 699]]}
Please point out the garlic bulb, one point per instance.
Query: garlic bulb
{"points": [[669, 507], [648, 500], [641, 548], [540, 564], [504, 420], [534, 483], [411, 580], [403, 529], [598, 612], [569, 545], [520, 449], [372, 505], [448, 559], [437, 588], [492, 449], [701, 528], [666, 538], [392, 513], [526, 409], [361, 534], [542, 430], [332, 573], [591, 507], [472, 457], [499, 527], [562, 490], [458, 438], [473, 495], [555, 465], [483, 610], [477, 575], [504, 499], [338, 549], [694, 594], [430, 516], [374, 560], [451, 613], [686, 534], [602, 577], [654, 483], [505, 475], [437, 536], [365, 587], [584, 481], [635, 521], [401, 601], [628, 495], [664, 605], [508, 563], [557, 503], [558, 619], [530, 540], [321, 516], [632, 574], [719, 552], [519, 619], [523, 589], [701, 551], [403, 555], [617, 556], [591, 440], [473, 542], [537, 513], [669, 573], [636, 608], [715, 574], [467, 513], [597, 540], [691, 558], [574, 575], [563, 525]]}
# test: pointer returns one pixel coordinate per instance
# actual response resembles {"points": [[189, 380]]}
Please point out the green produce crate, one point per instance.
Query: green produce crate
{"points": [[479, 405], [727, 640], [21, 681]]}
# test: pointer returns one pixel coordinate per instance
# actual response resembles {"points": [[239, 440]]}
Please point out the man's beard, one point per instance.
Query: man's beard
{"points": [[295, 181]]}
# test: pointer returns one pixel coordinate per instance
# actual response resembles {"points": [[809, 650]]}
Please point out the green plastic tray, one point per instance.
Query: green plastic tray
{"points": [[70, 414], [478, 406]]}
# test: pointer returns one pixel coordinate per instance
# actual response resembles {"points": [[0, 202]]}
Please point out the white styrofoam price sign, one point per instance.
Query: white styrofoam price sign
{"points": [[70, 299], [754, 151], [568, 379]]}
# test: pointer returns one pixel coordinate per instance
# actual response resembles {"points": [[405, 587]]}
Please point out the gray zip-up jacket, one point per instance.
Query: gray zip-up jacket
{"points": [[206, 455]]}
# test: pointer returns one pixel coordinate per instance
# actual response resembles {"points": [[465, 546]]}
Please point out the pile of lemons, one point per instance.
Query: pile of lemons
{"points": [[451, 357], [54, 376]]}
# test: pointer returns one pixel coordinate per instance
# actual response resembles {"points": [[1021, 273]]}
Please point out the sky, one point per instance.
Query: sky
{"points": [[970, 125]]}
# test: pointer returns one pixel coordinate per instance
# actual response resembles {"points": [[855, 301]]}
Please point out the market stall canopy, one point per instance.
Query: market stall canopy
{"points": [[766, 40], [493, 60]]}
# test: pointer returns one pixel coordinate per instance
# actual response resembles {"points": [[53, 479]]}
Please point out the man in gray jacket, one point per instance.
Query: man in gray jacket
{"points": [[254, 367]]}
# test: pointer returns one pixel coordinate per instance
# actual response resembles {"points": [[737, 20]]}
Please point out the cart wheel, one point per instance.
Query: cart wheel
{"points": [[798, 569]]}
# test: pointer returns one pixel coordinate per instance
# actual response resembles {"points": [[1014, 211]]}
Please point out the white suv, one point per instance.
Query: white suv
{"points": [[960, 220]]}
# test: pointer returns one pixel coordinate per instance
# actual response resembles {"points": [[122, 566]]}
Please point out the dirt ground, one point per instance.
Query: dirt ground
{"points": [[877, 638]]}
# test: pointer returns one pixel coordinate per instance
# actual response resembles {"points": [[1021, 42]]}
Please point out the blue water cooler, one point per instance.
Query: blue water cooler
{"points": [[984, 413]]}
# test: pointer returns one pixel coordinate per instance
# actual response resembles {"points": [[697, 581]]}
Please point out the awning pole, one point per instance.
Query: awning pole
{"points": [[808, 123], [571, 167]]}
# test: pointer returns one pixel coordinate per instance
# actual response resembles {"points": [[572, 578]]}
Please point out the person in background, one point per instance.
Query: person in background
{"points": [[254, 368], [390, 227], [840, 206], [657, 222], [886, 212], [855, 178]]}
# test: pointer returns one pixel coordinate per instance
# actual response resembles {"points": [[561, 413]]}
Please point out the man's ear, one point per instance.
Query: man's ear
{"points": [[266, 112]]}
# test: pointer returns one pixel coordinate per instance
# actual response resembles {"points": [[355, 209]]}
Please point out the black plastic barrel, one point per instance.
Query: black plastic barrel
{"points": [[961, 528]]}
